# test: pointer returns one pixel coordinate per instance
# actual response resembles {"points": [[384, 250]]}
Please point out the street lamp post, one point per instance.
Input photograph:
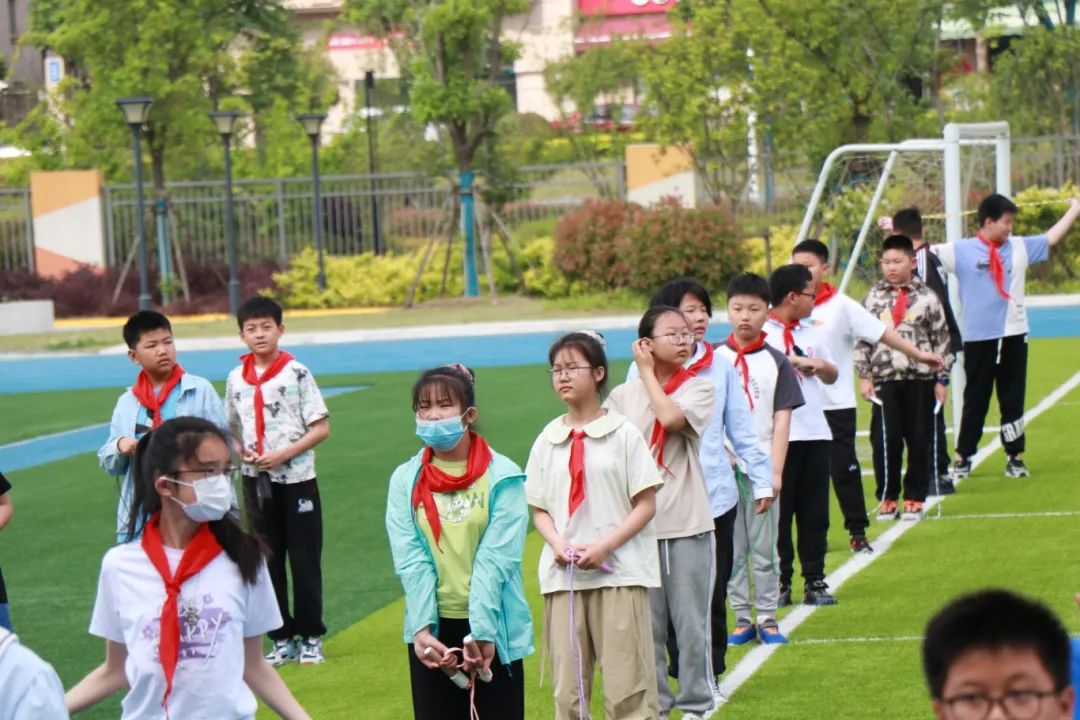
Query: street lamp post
{"points": [[312, 123], [376, 231], [136, 110], [226, 121]]}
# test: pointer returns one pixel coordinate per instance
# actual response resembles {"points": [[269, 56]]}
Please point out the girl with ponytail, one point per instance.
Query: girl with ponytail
{"points": [[183, 608]]}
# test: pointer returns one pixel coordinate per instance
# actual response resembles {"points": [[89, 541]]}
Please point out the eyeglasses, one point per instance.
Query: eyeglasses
{"points": [[1016, 704], [203, 474], [809, 295], [571, 370], [683, 338]]}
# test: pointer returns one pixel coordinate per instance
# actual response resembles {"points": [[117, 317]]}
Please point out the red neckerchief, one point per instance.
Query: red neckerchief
{"points": [[659, 432], [202, 549], [740, 360], [704, 362], [144, 393], [824, 294], [899, 307], [789, 337], [251, 377], [577, 469], [997, 267], [433, 480]]}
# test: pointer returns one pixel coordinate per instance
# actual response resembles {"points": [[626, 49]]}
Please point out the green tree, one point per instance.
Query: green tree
{"points": [[186, 54]]}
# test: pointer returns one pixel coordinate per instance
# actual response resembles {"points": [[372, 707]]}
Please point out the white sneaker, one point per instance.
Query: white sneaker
{"points": [[311, 651], [692, 716], [284, 651]]}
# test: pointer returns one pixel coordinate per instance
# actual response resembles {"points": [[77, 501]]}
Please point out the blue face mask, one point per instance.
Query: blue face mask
{"points": [[442, 435]]}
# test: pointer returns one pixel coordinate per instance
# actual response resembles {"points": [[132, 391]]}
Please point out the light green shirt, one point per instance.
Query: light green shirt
{"points": [[464, 516]]}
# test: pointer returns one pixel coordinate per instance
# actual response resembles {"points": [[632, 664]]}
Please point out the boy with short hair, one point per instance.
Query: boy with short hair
{"points": [[842, 322], [908, 221], [804, 496], [990, 270], [772, 391], [6, 510], [907, 390], [275, 407], [995, 650], [161, 392]]}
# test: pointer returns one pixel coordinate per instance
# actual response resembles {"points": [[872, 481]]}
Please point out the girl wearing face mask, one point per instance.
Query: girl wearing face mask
{"points": [[456, 517], [184, 608]]}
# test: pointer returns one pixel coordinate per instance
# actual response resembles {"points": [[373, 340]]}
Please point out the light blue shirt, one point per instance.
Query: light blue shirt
{"points": [[732, 419], [985, 314], [195, 397]]}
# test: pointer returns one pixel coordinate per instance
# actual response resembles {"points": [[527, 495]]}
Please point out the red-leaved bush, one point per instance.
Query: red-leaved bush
{"points": [[89, 291], [614, 244]]}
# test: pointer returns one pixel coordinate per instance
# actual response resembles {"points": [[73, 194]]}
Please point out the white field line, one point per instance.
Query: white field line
{"points": [[51, 436], [856, 640], [1010, 516], [949, 430], [754, 659]]}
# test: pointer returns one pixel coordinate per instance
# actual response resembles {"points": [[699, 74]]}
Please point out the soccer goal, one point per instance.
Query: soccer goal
{"points": [[944, 177]]}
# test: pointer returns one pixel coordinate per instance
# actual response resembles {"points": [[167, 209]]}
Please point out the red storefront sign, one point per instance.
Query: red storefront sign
{"points": [[353, 40], [611, 8]]}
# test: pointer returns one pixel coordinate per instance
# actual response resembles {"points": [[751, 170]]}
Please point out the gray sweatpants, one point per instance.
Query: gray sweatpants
{"points": [[687, 570], [755, 550]]}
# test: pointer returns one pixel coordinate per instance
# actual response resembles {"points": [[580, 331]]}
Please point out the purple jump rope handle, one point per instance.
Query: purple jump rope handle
{"points": [[604, 567]]}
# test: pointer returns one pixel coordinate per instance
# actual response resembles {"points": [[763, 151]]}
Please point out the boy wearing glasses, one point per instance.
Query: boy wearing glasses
{"points": [[804, 497], [732, 421], [994, 654], [161, 392], [275, 406]]}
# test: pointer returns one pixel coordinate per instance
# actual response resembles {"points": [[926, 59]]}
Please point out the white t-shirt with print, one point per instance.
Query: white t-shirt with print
{"points": [[807, 422], [618, 466], [291, 403], [842, 321], [217, 611]]}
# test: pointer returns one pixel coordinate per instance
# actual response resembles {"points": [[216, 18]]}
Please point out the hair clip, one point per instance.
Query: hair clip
{"points": [[595, 335], [464, 371]]}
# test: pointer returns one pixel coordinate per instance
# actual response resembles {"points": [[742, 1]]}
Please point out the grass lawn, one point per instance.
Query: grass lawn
{"points": [[64, 522]]}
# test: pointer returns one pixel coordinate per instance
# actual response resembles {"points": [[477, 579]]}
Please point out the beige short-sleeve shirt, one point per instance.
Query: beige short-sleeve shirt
{"points": [[682, 505], [618, 466]]}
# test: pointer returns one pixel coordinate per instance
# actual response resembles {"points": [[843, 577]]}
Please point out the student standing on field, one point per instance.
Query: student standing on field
{"points": [[671, 407], [731, 423], [456, 517], [907, 391], [183, 610], [161, 391], [908, 222], [277, 410], [592, 483], [772, 391], [990, 270], [842, 321], [804, 497]]}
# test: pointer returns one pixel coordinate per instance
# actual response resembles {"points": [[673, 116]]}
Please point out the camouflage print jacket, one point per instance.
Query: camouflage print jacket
{"points": [[924, 326]]}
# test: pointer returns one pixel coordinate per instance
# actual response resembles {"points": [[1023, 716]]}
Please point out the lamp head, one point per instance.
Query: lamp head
{"points": [[135, 109], [226, 121], [312, 123]]}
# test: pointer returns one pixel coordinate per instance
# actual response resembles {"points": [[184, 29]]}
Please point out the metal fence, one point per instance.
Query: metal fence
{"points": [[16, 230], [274, 217]]}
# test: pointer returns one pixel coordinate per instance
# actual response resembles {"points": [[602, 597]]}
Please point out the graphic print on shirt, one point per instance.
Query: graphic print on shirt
{"points": [[201, 623], [454, 507]]}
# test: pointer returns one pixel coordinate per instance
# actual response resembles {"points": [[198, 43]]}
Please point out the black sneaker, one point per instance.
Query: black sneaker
{"points": [[945, 486], [817, 593], [859, 544], [1015, 468], [961, 469], [785, 595]]}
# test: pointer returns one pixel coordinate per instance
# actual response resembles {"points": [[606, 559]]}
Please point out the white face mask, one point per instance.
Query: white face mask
{"points": [[214, 497]]}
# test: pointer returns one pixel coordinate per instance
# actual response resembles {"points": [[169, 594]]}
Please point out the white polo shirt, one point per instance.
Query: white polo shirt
{"points": [[842, 322], [618, 466], [807, 422]]}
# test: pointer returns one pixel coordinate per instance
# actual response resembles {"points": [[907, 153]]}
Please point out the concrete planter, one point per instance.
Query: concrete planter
{"points": [[26, 316]]}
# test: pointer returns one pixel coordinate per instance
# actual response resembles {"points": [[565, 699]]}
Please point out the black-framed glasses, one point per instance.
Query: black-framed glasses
{"points": [[809, 295], [1016, 704], [571, 370], [683, 338]]}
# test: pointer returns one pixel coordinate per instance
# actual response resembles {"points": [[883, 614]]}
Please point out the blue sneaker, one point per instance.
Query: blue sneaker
{"points": [[743, 633], [770, 633]]}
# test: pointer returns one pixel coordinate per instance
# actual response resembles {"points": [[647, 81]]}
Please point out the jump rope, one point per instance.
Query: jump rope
{"points": [[459, 678]]}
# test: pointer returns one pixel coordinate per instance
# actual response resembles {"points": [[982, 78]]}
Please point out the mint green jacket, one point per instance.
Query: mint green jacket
{"points": [[497, 609]]}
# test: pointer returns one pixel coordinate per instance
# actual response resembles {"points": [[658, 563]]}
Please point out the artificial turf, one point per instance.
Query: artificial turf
{"points": [[64, 522]]}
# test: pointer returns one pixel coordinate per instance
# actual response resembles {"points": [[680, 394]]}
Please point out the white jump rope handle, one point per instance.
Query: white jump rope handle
{"points": [[484, 674], [458, 677]]}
